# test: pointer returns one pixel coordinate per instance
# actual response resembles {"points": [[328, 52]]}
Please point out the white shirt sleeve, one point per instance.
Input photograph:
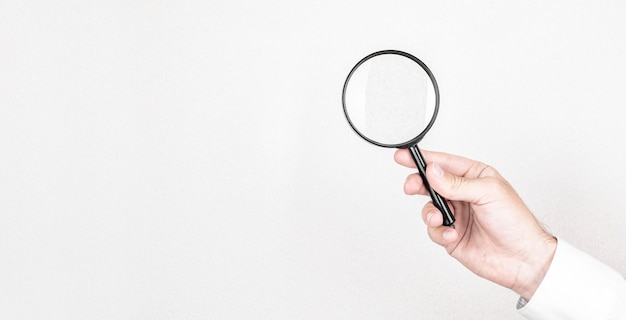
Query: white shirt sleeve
{"points": [[577, 286]]}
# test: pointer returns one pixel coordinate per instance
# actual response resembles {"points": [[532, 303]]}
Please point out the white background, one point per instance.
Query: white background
{"points": [[190, 159]]}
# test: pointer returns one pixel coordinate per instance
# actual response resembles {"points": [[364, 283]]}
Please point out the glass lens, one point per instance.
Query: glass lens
{"points": [[390, 99]]}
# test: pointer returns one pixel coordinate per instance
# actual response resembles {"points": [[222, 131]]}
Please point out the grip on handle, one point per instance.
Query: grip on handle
{"points": [[438, 200]]}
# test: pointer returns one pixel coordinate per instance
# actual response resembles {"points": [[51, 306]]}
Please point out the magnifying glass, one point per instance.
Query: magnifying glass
{"points": [[391, 99]]}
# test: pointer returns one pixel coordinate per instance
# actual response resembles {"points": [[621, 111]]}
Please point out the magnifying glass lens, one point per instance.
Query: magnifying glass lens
{"points": [[389, 99]]}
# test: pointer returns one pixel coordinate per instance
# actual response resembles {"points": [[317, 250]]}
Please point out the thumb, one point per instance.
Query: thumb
{"points": [[453, 187]]}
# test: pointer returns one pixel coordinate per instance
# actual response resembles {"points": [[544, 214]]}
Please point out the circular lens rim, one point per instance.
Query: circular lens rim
{"points": [[421, 135]]}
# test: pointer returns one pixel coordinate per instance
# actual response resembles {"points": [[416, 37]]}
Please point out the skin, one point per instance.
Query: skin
{"points": [[495, 236]]}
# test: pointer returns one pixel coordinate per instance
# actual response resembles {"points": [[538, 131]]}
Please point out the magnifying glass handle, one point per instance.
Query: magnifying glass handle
{"points": [[438, 200]]}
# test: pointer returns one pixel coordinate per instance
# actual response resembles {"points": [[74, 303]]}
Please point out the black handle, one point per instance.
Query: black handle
{"points": [[438, 201]]}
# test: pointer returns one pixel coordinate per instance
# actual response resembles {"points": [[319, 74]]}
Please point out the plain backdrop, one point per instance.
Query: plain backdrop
{"points": [[190, 159]]}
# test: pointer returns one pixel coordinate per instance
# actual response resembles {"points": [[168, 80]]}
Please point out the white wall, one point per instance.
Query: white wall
{"points": [[190, 159]]}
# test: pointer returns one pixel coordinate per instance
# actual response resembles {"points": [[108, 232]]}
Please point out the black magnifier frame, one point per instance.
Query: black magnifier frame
{"points": [[419, 137], [418, 158]]}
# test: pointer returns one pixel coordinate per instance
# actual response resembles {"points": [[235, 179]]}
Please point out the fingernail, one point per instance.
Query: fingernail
{"points": [[429, 216], [437, 170], [447, 236]]}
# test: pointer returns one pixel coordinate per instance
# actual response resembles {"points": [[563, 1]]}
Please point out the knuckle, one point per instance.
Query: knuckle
{"points": [[457, 185]]}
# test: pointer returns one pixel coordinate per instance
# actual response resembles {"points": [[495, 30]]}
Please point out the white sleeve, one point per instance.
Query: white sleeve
{"points": [[577, 286]]}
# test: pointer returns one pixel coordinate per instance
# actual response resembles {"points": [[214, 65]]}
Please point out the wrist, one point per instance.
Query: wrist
{"points": [[535, 267]]}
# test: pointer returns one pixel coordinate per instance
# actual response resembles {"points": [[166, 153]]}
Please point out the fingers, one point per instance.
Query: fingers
{"points": [[403, 158], [432, 216], [459, 170], [414, 185], [456, 165], [467, 189], [438, 233]]}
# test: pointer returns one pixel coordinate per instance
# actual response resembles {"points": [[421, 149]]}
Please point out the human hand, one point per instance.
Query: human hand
{"points": [[496, 235]]}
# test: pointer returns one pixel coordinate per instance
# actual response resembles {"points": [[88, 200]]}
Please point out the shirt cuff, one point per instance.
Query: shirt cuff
{"points": [[576, 286]]}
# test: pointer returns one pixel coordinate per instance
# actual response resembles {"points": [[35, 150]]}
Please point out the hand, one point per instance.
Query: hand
{"points": [[496, 235]]}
